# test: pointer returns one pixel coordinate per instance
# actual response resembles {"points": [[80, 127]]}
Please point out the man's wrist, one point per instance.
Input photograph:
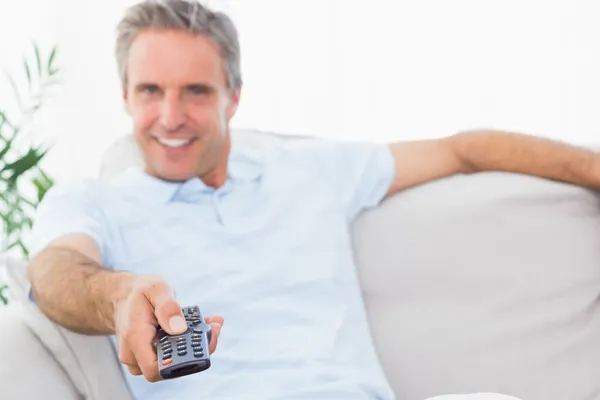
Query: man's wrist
{"points": [[113, 288]]}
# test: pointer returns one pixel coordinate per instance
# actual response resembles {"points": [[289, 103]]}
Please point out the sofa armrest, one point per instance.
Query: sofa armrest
{"points": [[28, 370]]}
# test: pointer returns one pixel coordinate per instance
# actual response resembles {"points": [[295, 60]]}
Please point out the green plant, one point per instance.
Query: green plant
{"points": [[23, 183], [3, 296]]}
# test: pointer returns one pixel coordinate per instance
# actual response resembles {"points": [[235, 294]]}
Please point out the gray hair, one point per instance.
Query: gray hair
{"points": [[187, 15]]}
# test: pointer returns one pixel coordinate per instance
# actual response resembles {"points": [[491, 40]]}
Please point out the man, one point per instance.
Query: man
{"points": [[261, 238]]}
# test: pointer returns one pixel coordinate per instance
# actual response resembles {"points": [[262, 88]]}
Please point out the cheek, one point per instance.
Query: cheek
{"points": [[143, 120]]}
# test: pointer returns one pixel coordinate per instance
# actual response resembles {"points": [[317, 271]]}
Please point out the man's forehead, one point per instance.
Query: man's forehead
{"points": [[174, 55]]}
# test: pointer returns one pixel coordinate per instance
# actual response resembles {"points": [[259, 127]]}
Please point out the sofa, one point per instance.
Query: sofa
{"points": [[481, 283]]}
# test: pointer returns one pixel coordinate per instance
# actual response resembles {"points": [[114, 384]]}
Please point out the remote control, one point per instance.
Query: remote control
{"points": [[187, 353]]}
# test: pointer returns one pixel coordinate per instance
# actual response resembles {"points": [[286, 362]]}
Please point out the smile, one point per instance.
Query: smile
{"points": [[174, 142]]}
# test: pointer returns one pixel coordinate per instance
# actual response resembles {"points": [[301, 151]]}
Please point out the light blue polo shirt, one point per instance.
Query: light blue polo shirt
{"points": [[270, 251]]}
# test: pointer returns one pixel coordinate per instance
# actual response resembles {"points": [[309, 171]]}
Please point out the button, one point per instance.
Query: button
{"points": [[198, 354], [196, 342], [167, 362], [182, 347], [182, 353], [164, 339], [199, 348], [166, 356], [181, 340]]}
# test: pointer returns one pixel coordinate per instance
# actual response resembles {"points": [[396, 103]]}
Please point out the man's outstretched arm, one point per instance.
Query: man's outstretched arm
{"points": [[72, 288], [419, 162]]}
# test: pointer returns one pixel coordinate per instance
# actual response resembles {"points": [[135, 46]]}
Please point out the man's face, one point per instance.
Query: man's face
{"points": [[180, 103]]}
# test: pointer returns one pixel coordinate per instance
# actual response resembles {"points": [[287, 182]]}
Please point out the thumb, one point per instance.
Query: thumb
{"points": [[167, 310]]}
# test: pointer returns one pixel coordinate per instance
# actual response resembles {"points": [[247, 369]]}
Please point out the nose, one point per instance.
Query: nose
{"points": [[171, 113]]}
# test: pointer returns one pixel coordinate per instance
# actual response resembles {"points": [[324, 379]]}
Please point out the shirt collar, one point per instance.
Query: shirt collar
{"points": [[243, 165]]}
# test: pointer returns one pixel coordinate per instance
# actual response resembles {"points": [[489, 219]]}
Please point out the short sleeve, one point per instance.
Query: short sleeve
{"points": [[66, 209], [360, 173]]}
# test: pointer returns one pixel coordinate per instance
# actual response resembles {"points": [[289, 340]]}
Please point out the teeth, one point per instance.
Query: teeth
{"points": [[174, 142]]}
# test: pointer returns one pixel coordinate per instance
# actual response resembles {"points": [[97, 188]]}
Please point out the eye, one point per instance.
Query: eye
{"points": [[150, 89], [198, 89]]}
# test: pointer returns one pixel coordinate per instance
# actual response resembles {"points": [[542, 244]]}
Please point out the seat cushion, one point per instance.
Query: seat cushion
{"points": [[485, 283], [89, 361], [28, 370]]}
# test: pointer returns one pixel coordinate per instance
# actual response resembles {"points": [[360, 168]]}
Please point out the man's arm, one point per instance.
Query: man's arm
{"points": [[419, 162], [72, 288]]}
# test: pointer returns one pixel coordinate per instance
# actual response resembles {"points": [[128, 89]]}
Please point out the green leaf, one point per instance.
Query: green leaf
{"points": [[27, 73], [22, 165], [51, 60], [18, 243], [3, 296], [6, 148], [38, 59], [42, 188], [5, 119], [47, 180]]}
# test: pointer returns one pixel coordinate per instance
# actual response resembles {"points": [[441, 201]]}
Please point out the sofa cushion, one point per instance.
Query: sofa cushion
{"points": [[485, 283], [28, 370], [90, 361]]}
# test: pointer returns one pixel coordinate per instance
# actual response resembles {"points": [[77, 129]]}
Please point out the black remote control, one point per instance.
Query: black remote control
{"points": [[187, 353]]}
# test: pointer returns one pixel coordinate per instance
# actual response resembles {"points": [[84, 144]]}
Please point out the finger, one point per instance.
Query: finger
{"points": [[216, 331], [126, 356], [166, 309], [217, 319], [144, 353], [134, 370]]}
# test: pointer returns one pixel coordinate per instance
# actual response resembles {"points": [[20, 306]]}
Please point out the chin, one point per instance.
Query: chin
{"points": [[173, 175]]}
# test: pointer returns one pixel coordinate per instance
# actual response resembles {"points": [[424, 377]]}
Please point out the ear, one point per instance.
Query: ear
{"points": [[233, 103]]}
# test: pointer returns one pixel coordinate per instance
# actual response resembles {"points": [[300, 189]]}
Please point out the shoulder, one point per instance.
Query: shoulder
{"points": [[328, 153], [74, 188]]}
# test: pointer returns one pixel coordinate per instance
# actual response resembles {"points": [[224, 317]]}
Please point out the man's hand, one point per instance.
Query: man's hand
{"points": [[150, 299]]}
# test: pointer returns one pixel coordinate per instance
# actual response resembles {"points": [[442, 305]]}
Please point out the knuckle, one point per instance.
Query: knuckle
{"points": [[156, 282], [134, 371], [147, 283], [126, 360]]}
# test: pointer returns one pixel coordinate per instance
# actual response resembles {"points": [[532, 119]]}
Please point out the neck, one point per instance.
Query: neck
{"points": [[217, 176]]}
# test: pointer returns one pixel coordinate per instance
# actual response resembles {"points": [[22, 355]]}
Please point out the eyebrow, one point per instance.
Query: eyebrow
{"points": [[202, 86]]}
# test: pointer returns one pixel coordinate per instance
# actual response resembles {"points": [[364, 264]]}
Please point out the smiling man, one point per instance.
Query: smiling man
{"points": [[213, 222]]}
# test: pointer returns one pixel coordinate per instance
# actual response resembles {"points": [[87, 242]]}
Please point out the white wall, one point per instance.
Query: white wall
{"points": [[378, 69]]}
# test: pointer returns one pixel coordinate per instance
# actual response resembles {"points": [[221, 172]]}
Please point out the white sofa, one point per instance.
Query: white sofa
{"points": [[482, 283]]}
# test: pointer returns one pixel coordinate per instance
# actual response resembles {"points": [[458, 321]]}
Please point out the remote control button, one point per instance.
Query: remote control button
{"points": [[167, 362], [181, 340], [196, 342], [181, 347], [197, 348], [164, 339], [182, 353], [165, 348], [166, 356], [198, 354]]}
